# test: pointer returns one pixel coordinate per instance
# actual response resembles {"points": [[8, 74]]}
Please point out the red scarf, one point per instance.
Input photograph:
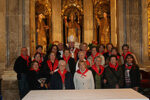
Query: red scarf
{"points": [[102, 53], [62, 75], [82, 74], [66, 59], [112, 66], [118, 57], [27, 59], [128, 67], [39, 62], [124, 55], [49, 63], [109, 52], [93, 57], [34, 69], [87, 62], [97, 71]]}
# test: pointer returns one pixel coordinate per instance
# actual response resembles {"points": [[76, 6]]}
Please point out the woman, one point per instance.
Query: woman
{"points": [[101, 49], [94, 55], [69, 61], [62, 79], [84, 48], [98, 73], [131, 73], [83, 78], [113, 73], [50, 66], [35, 79], [81, 56], [37, 57]]}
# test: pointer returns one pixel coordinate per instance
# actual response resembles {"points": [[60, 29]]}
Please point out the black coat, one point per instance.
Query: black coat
{"points": [[56, 82], [134, 76], [114, 77], [72, 65], [32, 78], [21, 67]]}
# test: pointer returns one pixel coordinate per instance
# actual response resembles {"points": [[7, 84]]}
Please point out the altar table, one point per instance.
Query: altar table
{"points": [[97, 94]]}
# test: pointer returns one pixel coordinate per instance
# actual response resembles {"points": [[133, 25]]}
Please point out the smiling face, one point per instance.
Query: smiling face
{"points": [[98, 61], [82, 65], [35, 66], [62, 65], [101, 49], [113, 60], [94, 51], [52, 56], [67, 53], [39, 50], [81, 55], [37, 57], [125, 49], [129, 60]]}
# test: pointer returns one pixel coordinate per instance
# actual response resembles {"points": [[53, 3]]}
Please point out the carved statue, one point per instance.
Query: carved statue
{"points": [[72, 28], [104, 29], [41, 31]]}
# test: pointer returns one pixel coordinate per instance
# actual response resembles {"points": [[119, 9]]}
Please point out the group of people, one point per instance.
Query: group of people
{"points": [[72, 68]]}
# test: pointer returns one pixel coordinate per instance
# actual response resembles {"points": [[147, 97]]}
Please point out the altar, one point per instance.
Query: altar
{"points": [[97, 94]]}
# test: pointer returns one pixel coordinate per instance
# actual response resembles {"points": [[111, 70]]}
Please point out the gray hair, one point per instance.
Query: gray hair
{"points": [[61, 61], [97, 58]]}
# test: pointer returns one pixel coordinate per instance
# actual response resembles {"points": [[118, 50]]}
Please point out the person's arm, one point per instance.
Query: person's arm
{"points": [[92, 80], [75, 80]]}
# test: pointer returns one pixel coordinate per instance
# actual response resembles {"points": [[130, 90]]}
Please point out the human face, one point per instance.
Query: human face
{"points": [[81, 56], [24, 51], [60, 46], [37, 57], [82, 66], [67, 53], [52, 56], [84, 47], [94, 51], [129, 60], [114, 52], [39, 50], [101, 49], [54, 49], [125, 49], [98, 61], [113, 60], [109, 47], [62, 66], [35, 66], [71, 44]]}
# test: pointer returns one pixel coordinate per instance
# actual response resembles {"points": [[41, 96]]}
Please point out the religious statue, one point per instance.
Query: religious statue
{"points": [[41, 31], [104, 29], [72, 28]]}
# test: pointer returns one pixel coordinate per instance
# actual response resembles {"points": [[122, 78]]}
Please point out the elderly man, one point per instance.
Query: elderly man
{"points": [[62, 79], [21, 67]]}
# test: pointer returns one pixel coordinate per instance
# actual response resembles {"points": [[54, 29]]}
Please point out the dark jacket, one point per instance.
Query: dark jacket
{"points": [[56, 82], [72, 65], [102, 77], [21, 67], [113, 77], [134, 76], [32, 78]]}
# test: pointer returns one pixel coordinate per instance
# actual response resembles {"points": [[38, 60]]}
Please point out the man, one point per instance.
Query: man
{"points": [[109, 46], [61, 48], [21, 67]]}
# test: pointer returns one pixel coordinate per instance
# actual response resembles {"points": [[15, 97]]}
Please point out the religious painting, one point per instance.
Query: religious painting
{"points": [[102, 21], [72, 16], [43, 23]]}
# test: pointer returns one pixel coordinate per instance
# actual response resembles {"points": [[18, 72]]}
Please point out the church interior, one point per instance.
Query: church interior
{"points": [[28, 23]]}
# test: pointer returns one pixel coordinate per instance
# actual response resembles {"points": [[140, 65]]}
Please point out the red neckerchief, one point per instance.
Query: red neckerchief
{"points": [[66, 59], [93, 57], [49, 63], [82, 74], [109, 52], [27, 59], [124, 55], [34, 69], [118, 57], [128, 67], [62, 75], [112, 66], [97, 71], [102, 52], [39, 62]]}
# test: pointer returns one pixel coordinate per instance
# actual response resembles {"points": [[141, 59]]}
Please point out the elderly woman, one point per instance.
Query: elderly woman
{"points": [[83, 78], [114, 73], [62, 79], [81, 56], [98, 73], [95, 54]]}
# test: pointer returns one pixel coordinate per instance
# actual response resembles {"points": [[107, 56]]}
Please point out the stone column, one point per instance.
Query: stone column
{"points": [[56, 21], [113, 22], [88, 20]]}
